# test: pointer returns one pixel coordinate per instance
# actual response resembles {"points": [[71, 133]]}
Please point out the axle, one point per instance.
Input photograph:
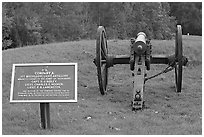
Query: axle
{"points": [[125, 59]]}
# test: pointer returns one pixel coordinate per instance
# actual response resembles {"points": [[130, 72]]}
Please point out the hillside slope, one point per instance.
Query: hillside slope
{"points": [[166, 112]]}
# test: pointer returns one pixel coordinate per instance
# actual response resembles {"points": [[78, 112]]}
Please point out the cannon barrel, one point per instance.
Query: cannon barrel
{"points": [[140, 45]]}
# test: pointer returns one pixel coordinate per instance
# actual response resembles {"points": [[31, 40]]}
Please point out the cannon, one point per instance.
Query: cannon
{"points": [[140, 60]]}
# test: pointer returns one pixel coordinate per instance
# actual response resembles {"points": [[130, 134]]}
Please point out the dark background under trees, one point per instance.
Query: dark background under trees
{"points": [[35, 23]]}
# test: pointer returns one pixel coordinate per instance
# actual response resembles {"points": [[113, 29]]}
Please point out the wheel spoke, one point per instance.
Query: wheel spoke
{"points": [[103, 76], [103, 46], [176, 74], [103, 54]]}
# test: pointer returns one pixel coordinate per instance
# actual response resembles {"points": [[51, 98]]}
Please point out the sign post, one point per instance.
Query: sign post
{"points": [[45, 115], [44, 83]]}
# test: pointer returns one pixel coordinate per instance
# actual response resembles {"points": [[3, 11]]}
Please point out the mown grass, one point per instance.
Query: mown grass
{"points": [[166, 111]]}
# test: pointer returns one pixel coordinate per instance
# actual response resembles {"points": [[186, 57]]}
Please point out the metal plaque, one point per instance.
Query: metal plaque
{"points": [[45, 82]]}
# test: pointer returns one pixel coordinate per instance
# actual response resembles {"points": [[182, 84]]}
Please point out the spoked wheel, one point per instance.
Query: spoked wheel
{"points": [[101, 57], [178, 57]]}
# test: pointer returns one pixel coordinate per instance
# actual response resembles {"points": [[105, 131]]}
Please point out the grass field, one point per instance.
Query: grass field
{"points": [[166, 112]]}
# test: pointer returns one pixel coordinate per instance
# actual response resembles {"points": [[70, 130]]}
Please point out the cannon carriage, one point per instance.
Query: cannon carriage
{"points": [[140, 60]]}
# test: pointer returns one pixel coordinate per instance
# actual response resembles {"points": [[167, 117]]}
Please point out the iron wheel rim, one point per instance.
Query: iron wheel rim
{"points": [[178, 57], [101, 55]]}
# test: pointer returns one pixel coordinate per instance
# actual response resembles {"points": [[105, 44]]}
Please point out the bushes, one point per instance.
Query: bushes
{"points": [[189, 15], [6, 29], [37, 23]]}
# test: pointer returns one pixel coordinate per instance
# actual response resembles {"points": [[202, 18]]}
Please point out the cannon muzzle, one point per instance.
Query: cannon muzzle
{"points": [[140, 45]]}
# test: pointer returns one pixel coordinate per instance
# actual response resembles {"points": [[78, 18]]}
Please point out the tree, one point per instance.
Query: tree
{"points": [[31, 23], [6, 28], [151, 18], [189, 15], [24, 24]]}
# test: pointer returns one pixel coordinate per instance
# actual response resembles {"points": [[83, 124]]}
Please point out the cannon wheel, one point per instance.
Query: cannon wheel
{"points": [[101, 56], [178, 57]]}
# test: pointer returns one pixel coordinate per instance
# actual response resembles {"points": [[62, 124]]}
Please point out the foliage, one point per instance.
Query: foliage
{"points": [[23, 26], [189, 15], [152, 18], [31, 23], [6, 29]]}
